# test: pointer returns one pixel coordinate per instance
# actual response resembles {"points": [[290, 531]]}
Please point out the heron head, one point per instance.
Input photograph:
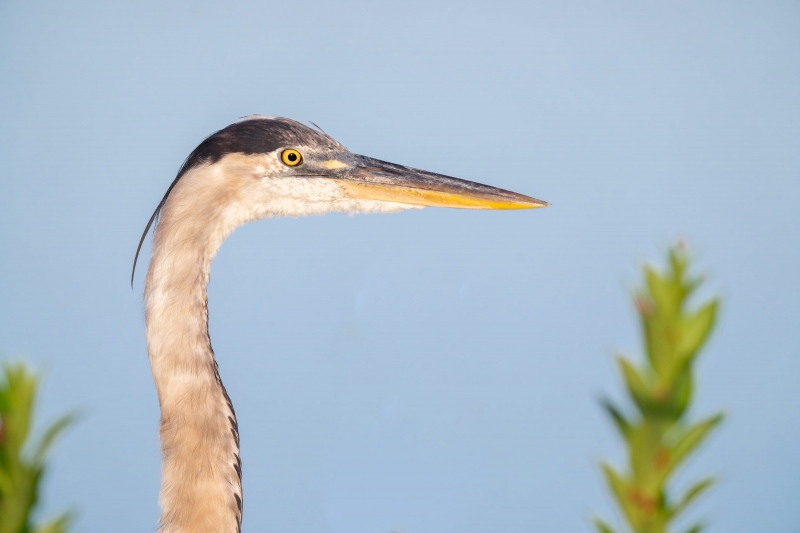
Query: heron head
{"points": [[271, 166]]}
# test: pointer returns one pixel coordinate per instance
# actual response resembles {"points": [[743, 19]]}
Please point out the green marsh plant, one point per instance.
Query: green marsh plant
{"points": [[656, 432], [22, 463]]}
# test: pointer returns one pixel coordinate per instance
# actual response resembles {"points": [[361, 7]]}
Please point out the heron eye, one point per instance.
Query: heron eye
{"points": [[291, 157]]}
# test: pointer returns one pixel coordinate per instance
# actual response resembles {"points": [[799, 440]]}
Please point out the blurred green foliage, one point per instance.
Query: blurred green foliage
{"points": [[22, 463], [658, 437]]}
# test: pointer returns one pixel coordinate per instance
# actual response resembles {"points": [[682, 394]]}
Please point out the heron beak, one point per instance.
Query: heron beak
{"points": [[372, 179]]}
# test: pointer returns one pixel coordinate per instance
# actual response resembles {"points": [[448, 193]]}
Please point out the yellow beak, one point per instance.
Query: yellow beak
{"points": [[372, 179]]}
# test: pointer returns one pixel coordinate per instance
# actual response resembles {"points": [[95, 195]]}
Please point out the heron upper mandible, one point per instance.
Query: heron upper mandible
{"points": [[257, 167]]}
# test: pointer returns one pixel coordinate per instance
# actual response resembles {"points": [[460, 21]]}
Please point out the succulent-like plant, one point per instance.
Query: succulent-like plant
{"points": [[22, 464], [658, 437]]}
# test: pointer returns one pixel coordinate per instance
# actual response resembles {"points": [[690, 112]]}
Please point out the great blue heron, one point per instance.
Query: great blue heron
{"points": [[257, 167]]}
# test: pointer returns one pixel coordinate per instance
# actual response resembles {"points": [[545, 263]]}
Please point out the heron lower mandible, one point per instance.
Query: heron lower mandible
{"points": [[254, 168]]}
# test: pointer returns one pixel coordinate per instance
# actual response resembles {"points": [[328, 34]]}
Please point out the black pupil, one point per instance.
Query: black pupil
{"points": [[292, 157]]}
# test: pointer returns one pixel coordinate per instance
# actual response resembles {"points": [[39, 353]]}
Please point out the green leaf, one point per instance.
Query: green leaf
{"points": [[602, 527], [18, 393], [620, 489], [679, 265], [692, 438], [622, 424], [60, 524], [695, 330], [636, 385], [660, 291], [681, 393], [50, 435], [692, 494], [678, 261], [658, 322], [697, 528]]}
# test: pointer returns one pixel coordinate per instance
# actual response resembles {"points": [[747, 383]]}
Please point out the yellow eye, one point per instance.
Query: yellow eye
{"points": [[291, 157]]}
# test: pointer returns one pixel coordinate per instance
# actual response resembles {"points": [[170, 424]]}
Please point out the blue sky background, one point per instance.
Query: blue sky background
{"points": [[433, 371]]}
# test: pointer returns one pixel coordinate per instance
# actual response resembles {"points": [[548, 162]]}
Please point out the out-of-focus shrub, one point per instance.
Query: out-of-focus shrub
{"points": [[656, 432], [23, 463]]}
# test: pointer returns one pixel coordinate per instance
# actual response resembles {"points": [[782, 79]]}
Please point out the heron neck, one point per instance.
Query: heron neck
{"points": [[201, 477]]}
